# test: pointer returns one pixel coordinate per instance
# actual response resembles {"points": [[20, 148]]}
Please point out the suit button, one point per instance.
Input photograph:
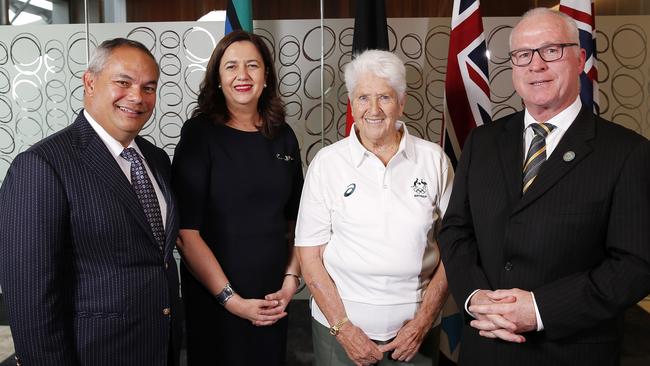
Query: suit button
{"points": [[508, 266], [167, 311]]}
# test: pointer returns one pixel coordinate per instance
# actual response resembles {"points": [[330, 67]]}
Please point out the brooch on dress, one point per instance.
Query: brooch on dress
{"points": [[286, 158]]}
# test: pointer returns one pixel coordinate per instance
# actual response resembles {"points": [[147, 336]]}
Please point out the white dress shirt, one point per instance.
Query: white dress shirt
{"points": [[116, 148], [562, 121]]}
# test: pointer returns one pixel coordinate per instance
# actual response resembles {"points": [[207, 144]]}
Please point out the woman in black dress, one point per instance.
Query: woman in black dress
{"points": [[237, 176]]}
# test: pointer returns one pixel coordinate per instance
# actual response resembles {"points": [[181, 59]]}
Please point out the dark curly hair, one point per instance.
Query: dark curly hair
{"points": [[211, 101]]}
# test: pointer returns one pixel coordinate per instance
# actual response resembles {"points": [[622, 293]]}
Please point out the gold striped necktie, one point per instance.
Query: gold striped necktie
{"points": [[536, 153]]}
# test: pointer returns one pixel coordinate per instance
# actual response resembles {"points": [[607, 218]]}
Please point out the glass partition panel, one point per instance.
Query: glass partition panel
{"points": [[42, 58]]}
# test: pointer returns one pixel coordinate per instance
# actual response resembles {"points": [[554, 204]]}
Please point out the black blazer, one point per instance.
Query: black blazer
{"points": [[579, 238], [83, 278]]}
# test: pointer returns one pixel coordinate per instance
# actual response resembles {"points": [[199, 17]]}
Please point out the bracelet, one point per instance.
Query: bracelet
{"points": [[225, 294], [334, 329], [295, 276]]}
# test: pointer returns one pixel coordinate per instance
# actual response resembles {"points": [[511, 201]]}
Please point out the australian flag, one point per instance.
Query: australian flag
{"points": [[467, 102], [582, 11], [467, 88], [239, 16]]}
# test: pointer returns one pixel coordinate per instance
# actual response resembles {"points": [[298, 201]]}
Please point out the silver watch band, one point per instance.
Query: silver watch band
{"points": [[225, 294]]}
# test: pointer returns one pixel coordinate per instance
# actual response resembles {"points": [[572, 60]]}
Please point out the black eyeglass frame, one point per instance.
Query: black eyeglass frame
{"points": [[533, 50]]}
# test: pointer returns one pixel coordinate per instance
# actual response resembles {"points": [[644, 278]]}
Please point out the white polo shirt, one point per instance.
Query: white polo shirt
{"points": [[375, 220]]}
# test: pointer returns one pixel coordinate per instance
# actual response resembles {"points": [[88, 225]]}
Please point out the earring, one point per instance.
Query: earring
{"points": [[265, 85], [219, 86]]}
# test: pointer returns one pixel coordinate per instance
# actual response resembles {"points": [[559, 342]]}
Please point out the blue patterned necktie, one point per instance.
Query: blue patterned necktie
{"points": [[146, 194], [536, 153]]}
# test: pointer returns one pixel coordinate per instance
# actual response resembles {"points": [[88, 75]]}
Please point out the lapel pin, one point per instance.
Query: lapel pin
{"points": [[568, 156]]}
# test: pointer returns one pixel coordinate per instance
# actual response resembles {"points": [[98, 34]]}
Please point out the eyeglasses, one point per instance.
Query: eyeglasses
{"points": [[548, 53]]}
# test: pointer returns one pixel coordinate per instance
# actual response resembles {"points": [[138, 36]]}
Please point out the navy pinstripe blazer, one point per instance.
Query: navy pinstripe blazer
{"points": [[579, 238], [84, 280]]}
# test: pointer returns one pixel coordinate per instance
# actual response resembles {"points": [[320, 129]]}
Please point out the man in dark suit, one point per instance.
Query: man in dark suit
{"points": [[547, 257], [87, 229]]}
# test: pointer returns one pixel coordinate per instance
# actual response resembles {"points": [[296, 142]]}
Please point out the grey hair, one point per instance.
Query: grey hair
{"points": [[106, 48], [383, 64], [569, 24]]}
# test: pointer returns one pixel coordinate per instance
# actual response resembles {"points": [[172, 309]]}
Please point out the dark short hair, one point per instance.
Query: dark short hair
{"points": [[106, 48], [211, 101]]}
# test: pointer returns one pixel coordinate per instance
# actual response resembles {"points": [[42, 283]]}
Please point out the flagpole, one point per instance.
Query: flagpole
{"points": [[322, 75], [87, 33]]}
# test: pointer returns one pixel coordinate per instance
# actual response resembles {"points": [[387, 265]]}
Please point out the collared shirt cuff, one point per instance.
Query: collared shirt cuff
{"points": [[470, 297], [540, 325]]}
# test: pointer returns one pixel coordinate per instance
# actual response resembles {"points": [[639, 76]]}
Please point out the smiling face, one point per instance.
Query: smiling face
{"points": [[122, 96], [375, 108], [242, 74], [546, 88]]}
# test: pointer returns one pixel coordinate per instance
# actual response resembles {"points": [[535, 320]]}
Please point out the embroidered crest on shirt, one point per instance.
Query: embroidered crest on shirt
{"points": [[419, 188]]}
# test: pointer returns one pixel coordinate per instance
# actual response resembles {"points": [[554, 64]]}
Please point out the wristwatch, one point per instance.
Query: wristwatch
{"points": [[225, 294], [334, 329]]}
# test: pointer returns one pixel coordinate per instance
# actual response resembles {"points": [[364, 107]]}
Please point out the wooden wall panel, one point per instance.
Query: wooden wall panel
{"points": [[170, 10], [177, 10]]}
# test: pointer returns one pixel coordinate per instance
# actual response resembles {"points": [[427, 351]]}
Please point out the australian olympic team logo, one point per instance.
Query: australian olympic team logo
{"points": [[349, 190], [419, 188]]}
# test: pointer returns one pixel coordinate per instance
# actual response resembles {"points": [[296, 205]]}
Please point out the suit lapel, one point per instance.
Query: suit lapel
{"points": [[96, 156], [576, 140], [511, 155]]}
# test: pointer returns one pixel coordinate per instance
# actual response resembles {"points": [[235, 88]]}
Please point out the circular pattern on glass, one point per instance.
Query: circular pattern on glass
{"points": [[4, 53], [289, 50], [198, 44], [144, 35], [170, 40], [311, 43], [54, 57], [76, 47], [7, 142], [171, 97], [56, 119], [289, 80], [411, 46], [27, 93], [6, 112], [629, 46], [55, 91], [170, 65], [25, 52], [312, 81]]}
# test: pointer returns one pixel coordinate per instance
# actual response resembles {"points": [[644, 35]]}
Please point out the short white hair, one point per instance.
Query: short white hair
{"points": [[383, 64], [569, 24]]}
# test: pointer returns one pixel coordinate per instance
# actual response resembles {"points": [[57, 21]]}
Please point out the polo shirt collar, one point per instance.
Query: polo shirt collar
{"points": [[359, 152]]}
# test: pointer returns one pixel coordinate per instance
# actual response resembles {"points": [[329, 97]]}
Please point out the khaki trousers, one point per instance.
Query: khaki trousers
{"points": [[328, 351]]}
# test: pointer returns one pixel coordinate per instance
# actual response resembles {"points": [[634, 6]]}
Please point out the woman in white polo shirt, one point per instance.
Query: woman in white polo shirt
{"points": [[366, 230]]}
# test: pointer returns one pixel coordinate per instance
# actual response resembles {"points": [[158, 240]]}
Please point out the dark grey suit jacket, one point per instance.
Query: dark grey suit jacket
{"points": [[579, 238], [83, 277]]}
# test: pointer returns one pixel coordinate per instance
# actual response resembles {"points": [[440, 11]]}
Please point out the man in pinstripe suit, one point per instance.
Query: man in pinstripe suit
{"points": [[86, 278], [547, 257]]}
